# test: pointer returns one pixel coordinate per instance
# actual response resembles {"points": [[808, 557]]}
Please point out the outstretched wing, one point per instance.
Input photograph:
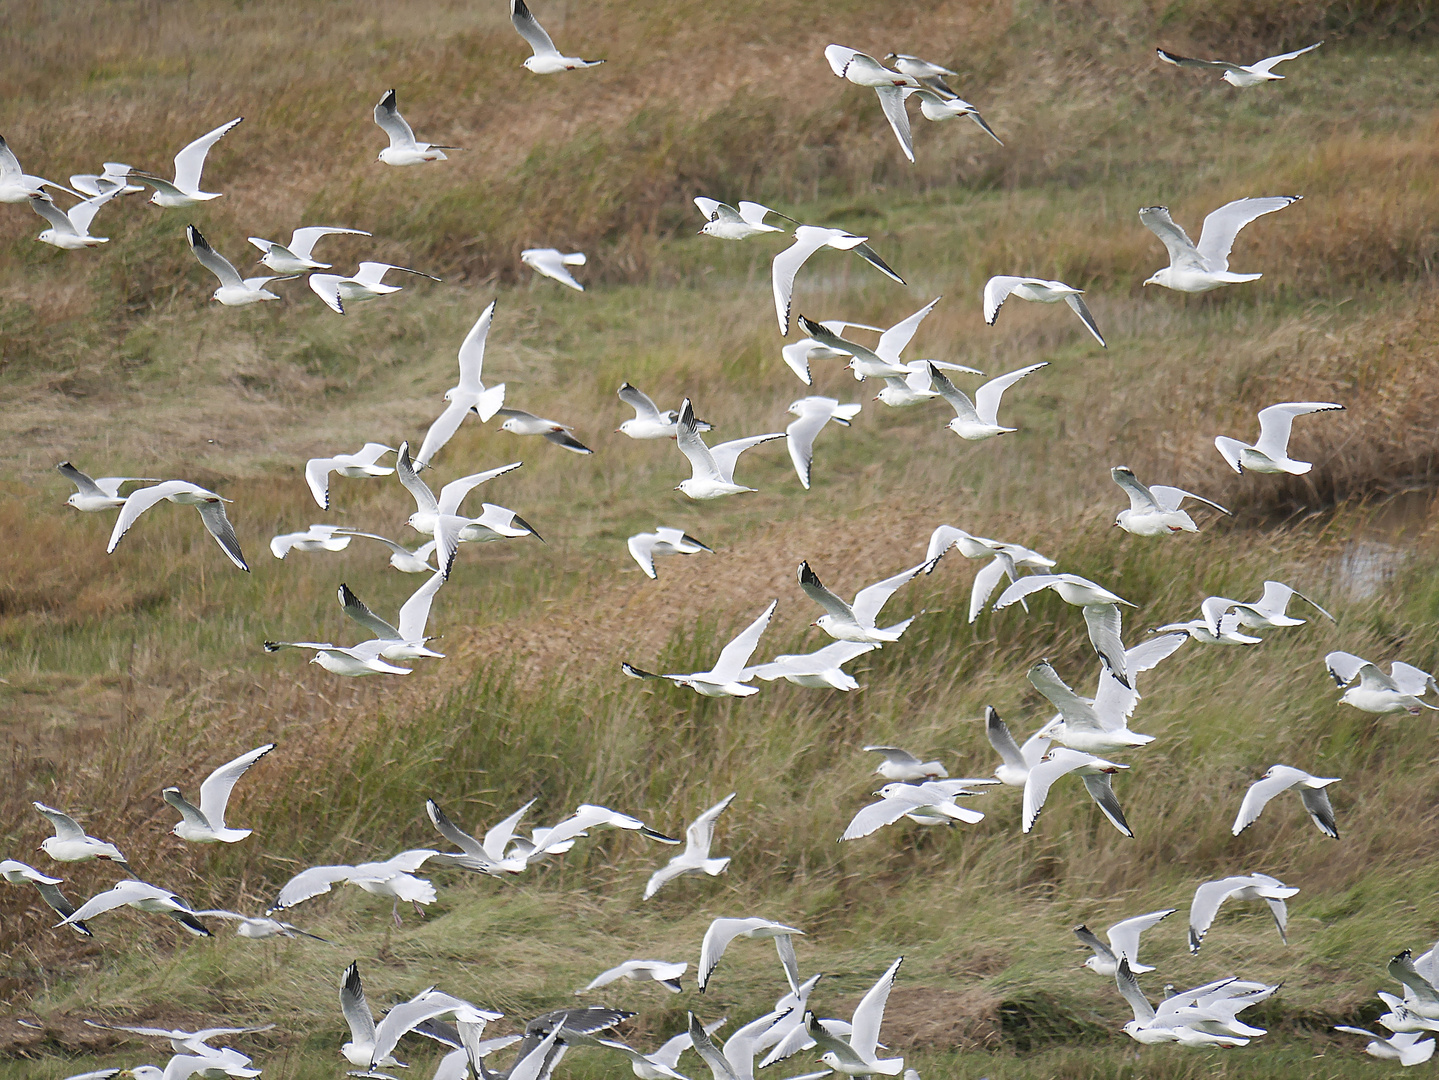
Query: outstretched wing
{"points": [[726, 454], [1216, 238], [472, 352], [875, 816], [387, 115], [1182, 253], [893, 341], [1267, 64], [641, 403], [702, 462], [807, 240], [1190, 62], [1171, 498], [190, 161], [531, 30], [1101, 789], [212, 260], [1042, 777], [453, 493], [215, 791], [1344, 667], [700, 835], [986, 398], [891, 100], [1075, 301], [1019, 589], [1124, 936], [734, 656], [868, 601], [415, 612], [1141, 499], [1276, 421], [996, 292], [212, 513], [302, 241]]}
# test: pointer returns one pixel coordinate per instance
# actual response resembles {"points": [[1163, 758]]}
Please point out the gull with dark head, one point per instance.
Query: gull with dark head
{"points": [[1196, 268]]}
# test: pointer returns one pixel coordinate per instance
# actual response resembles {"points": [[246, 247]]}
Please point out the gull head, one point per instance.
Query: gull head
{"points": [[1158, 277]]}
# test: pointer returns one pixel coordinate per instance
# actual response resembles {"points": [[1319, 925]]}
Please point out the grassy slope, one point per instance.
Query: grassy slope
{"points": [[120, 679]]}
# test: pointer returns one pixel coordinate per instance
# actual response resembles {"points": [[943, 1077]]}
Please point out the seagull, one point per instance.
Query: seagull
{"points": [[1096, 773], [1214, 626], [182, 1041], [856, 622], [586, 817], [1155, 511], [260, 927], [467, 395], [1195, 268], [723, 931], [394, 878], [661, 1064], [1015, 761], [1005, 561], [1240, 74], [737, 1062], [69, 229], [426, 1006], [315, 538], [931, 802], [883, 361], [694, 859], [711, 467], [1123, 943], [858, 1056], [1182, 1017], [368, 283], [786, 1034], [660, 971], [189, 163], [928, 74], [221, 1063], [899, 764], [297, 257], [92, 495], [551, 262], [340, 659], [813, 413], [1282, 778], [1422, 998], [519, 422], [142, 897], [1100, 607], [116, 175], [233, 291], [819, 670], [1402, 690], [649, 422], [70, 844], [16, 186], [1082, 725], [800, 354], [938, 108], [183, 493], [723, 680], [1211, 894], [496, 523], [359, 1050], [355, 466], [205, 824], [807, 240], [724, 222], [1270, 609], [864, 70], [487, 856], [18, 873], [547, 60], [978, 419], [1401, 1018], [441, 517], [1407, 1048], [663, 541], [403, 149], [902, 391], [999, 289], [1270, 454], [401, 557], [408, 640]]}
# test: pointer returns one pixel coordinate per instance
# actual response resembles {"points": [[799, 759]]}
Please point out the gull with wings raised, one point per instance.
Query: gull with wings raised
{"points": [[1196, 268], [856, 621], [725, 678], [205, 824], [1270, 454]]}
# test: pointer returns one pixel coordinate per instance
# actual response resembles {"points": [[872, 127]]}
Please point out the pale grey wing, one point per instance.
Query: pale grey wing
{"points": [[986, 398], [717, 938], [453, 1066], [640, 402], [799, 437], [357, 610], [138, 501], [1216, 238], [354, 1006], [1170, 498], [1230, 450], [1190, 62], [1022, 587], [190, 162], [870, 600], [1002, 740], [444, 428], [453, 493], [1141, 499], [726, 454], [734, 656], [531, 30], [387, 115], [714, 210], [869, 1013], [119, 896], [702, 462], [959, 401], [405, 1016], [832, 1043], [753, 213], [1344, 667], [1104, 623], [1402, 968], [1205, 906], [46, 208], [1258, 796], [869, 255], [784, 946], [472, 351], [996, 292], [700, 835], [59, 903], [1320, 810], [212, 513], [642, 546], [1277, 596], [497, 838], [64, 825], [1280, 912], [786, 265], [1048, 683], [1101, 789], [83, 212], [192, 814], [718, 1064], [891, 100], [1081, 309], [9, 163], [1182, 253], [1275, 423], [310, 883], [1042, 777], [82, 482], [668, 1055], [302, 241], [1091, 940], [415, 612], [875, 816], [215, 791], [1129, 989], [424, 497], [327, 288], [1267, 64], [815, 590], [1408, 678], [894, 340]]}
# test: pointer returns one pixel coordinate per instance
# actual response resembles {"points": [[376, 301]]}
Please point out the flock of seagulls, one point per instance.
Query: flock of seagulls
{"points": [[917, 793]]}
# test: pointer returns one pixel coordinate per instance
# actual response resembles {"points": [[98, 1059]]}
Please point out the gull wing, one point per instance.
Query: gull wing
{"points": [[66, 828], [726, 454], [1060, 762], [986, 398], [985, 581], [815, 590], [1129, 988], [1344, 667], [190, 161], [387, 115], [1409, 679], [373, 273], [734, 656], [1277, 595], [355, 1007], [1182, 253], [212, 513], [126, 892], [425, 500], [498, 837], [718, 1064], [1091, 940], [454, 834], [1230, 449], [1402, 968], [876, 816], [1002, 740], [1275, 423], [1267, 64], [1076, 302], [310, 883], [702, 462], [415, 612], [700, 835], [717, 938], [46, 208], [642, 546], [9, 163], [869, 1014], [1170, 498], [832, 1043], [1022, 587], [83, 212], [824, 334], [327, 288], [1141, 498], [713, 209], [1104, 623], [85, 484], [894, 340], [215, 791], [996, 292], [807, 240], [140, 500], [1101, 789], [640, 402], [958, 400], [799, 437], [753, 213], [317, 476], [302, 241], [531, 30], [891, 100], [1259, 794], [869, 600], [1189, 62], [188, 810], [472, 352], [453, 493], [444, 427], [1216, 238], [869, 255], [1205, 905], [405, 1016], [1071, 706], [1320, 810]]}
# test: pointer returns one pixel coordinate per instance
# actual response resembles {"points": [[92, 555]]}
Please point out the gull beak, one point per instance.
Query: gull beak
{"points": [[814, 624], [618, 431]]}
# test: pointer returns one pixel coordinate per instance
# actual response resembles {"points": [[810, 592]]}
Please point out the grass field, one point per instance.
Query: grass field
{"points": [[120, 675]]}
